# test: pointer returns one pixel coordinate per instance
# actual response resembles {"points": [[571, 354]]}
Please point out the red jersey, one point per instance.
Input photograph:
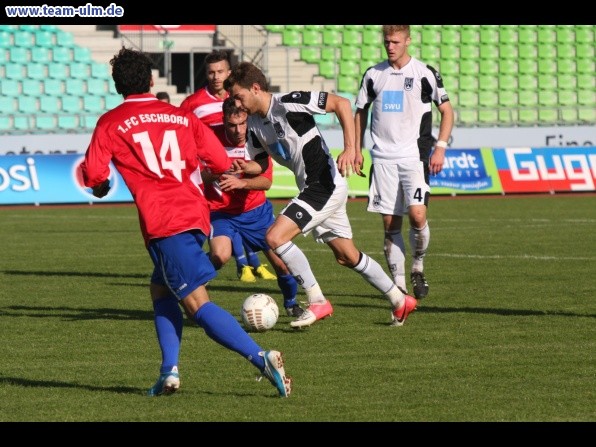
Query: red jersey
{"points": [[156, 148], [207, 107], [236, 201]]}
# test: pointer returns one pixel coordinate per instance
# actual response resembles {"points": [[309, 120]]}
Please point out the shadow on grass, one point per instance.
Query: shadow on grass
{"points": [[19, 381]]}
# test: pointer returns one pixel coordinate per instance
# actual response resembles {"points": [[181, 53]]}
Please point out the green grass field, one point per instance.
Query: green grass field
{"points": [[507, 332]]}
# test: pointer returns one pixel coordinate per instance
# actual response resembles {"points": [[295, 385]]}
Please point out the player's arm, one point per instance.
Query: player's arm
{"points": [[229, 182], [360, 124], [95, 168], [437, 158], [210, 150], [346, 161], [259, 165]]}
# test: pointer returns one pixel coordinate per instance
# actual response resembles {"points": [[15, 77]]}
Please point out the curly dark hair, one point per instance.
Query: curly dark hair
{"points": [[131, 71], [229, 108], [217, 56], [245, 74]]}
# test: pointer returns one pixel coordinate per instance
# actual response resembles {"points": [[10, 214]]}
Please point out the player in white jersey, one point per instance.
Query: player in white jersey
{"points": [[401, 91], [283, 125]]}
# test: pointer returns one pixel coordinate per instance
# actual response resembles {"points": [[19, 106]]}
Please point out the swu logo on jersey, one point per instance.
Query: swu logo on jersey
{"points": [[393, 101]]}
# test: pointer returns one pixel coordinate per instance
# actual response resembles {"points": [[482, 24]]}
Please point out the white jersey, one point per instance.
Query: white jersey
{"points": [[290, 135], [401, 124]]}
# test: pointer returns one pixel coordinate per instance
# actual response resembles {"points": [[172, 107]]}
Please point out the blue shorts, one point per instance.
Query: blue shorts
{"points": [[180, 262], [251, 225]]}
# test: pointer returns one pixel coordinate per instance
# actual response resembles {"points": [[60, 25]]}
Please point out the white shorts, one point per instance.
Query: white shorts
{"points": [[394, 187], [327, 224]]}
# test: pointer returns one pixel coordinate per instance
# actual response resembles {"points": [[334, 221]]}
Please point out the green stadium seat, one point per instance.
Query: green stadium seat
{"points": [[24, 39], [14, 71], [547, 34], [566, 81], [315, 27], [18, 55], [587, 115], [348, 83], [508, 34], [548, 115], [75, 86], [291, 37], [565, 34], [547, 82], [32, 87], [584, 34], [566, 66], [414, 50], [81, 54], [334, 27], [329, 53], [71, 104], [528, 116], [27, 104], [46, 123], [468, 66], [548, 98], [349, 53], [112, 87], [467, 99], [372, 36], [351, 37], [527, 51], [450, 35], [547, 66], [528, 98], [22, 123], [489, 51], [527, 66], [449, 51], [356, 27], [310, 54], [36, 71], [467, 116], [488, 116], [371, 52], [489, 67], [488, 98], [469, 51], [528, 81], [430, 36], [312, 37], [62, 55], [274, 28], [112, 101], [547, 51], [586, 81], [586, 97], [567, 97], [349, 68], [449, 68], [65, 39], [527, 34], [7, 104], [68, 122], [488, 82], [430, 52], [44, 38], [332, 37], [53, 87], [79, 70], [508, 98], [451, 85], [508, 66], [584, 50], [508, 51], [470, 34], [49, 104], [565, 50], [327, 69], [569, 115], [585, 66], [507, 82], [58, 70], [366, 64], [10, 87], [489, 34], [468, 82]]}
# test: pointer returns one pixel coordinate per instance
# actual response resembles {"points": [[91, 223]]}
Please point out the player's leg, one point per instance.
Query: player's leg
{"points": [[416, 195]]}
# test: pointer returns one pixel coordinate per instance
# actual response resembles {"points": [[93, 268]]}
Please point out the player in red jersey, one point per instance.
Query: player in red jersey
{"points": [[206, 103], [156, 148], [240, 209]]}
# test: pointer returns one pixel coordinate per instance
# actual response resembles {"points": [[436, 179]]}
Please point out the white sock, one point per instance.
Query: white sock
{"points": [[315, 295], [397, 298], [395, 254], [419, 239], [372, 272], [297, 264]]}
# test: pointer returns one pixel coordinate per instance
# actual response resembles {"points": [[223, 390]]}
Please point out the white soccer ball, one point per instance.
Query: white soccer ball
{"points": [[259, 312]]}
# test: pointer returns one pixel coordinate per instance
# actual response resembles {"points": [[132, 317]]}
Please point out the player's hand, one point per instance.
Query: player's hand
{"points": [[102, 189]]}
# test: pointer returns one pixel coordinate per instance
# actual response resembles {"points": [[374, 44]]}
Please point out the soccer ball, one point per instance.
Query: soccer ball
{"points": [[259, 312]]}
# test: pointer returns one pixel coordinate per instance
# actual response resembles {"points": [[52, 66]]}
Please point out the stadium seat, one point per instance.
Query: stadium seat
{"points": [[528, 98], [489, 67], [467, 99], [349, 68], [7, 104], [449, 68], [488, 116], [99, 70], [489, 34], [469, 51], [430, 36], [548, 98], [89, 121], [93, 103], [489, 51], [488, 82], [36, 71], [527, 81], [58, 70], [527, 51], [44, 38], [587, 115], [547, 34], [14, 71], [332, 37], [508, 51], [22, 123], [10, 87], [547, 51], [565, 50], [351, 37], [315, 27], [366, 64], [6, 124], [327, 69], [429, 53], [27, 104], [450, 35], [41, 54], [45, 123], [565, 34], [291, 37], [112, 101], [24, 39], [569, 115], [71, 103], [18, 55], [527, 66], [62, 55], [371, 52], [32, 87], [470, 34], [468, 67], [468, 82], [5, 39], [527, 34], [548, 115], [566, 81], [566, 66], [81, 54], [64, 39], [585, 66], [274, 28], [348, 83], [49, 104], [68, 122], [349, 53], [508, 66], [310, 54], [547, 82], [508, 99], [586, 81], [567, 97], [584, 50], [372, 36], [507, 82], [547, 66], [586, 97], [584, 34], [528, 115], [75, 86], [53, 87], [96, 86], [508, 34], [449, 51], [79, 70], [312, 37], [467, 116]]}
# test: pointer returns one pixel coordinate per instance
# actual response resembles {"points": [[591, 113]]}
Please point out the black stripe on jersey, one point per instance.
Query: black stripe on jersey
{"points": [[319, 180], [296, 97], [437, 76], [370, 90], [298, 215], [255, 141], [301, 122]]}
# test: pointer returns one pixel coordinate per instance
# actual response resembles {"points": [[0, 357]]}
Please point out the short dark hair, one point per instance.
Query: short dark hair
{"points": [[163, 96], [131, 71], [245, 74], [229, 108], [217, 56]]}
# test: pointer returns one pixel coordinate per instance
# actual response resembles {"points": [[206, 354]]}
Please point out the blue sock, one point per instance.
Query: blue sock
{"points": [[238, 252], [168, 320], [222, 327], [253, 259], [289, 289]]}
